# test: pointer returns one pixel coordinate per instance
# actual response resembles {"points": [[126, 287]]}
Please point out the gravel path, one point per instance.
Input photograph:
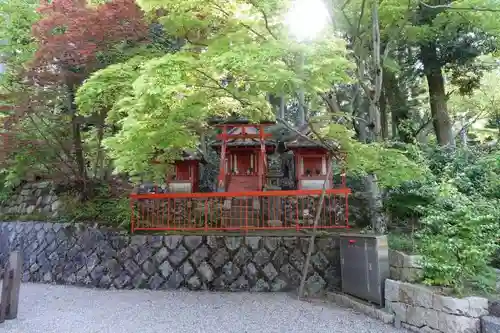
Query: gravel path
{"points": [[62, 309]]}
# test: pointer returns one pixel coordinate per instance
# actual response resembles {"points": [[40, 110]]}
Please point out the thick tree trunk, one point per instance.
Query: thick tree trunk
{"points": [[378, 220], [279, 105], [363, 119], [437, 95], [374, 93], [398, 106], [281, 111]]}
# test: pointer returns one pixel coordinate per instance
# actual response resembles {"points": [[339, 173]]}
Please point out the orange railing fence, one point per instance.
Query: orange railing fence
{"points": [[240, 211]]}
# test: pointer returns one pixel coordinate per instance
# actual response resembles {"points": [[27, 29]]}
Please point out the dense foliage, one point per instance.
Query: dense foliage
{"points": [[458, 238], [97, 89], [452, 218]]}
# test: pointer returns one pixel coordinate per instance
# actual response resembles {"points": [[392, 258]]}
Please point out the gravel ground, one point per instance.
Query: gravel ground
{"points": [[63, 309]]}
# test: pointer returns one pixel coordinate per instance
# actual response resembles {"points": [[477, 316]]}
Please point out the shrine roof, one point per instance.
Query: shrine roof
{"points": [[233, 120], [243, 142], [303, 140], [191, 155]]}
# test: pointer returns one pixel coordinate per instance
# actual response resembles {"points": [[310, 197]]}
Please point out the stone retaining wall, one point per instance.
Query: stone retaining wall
{"points": [[404, 267], [419, 309], [32, 198], [81, 255]]}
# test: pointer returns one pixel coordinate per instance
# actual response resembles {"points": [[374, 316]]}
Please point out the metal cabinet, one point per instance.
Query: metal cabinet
{"points": [[365, 266]]}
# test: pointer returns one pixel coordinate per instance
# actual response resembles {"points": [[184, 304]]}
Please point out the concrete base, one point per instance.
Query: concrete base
{"points": [[360, 306]]}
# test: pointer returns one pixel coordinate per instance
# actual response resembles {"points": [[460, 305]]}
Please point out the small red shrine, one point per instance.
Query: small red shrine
{"points": [[242, 148], [186, 174], [312, 163]]}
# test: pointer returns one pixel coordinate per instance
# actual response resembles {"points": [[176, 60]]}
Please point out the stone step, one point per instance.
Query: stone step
{"points": [[255, 204]]}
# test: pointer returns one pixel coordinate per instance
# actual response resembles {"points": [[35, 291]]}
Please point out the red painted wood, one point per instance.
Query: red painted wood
{"points": [[312, 163], [182, 171], [342, 191], [222, 171], [241, 216], [242, 136], [243, 161], [243, 183]]}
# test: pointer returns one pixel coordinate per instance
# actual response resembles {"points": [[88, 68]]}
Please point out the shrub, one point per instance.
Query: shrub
{"points": [[103, 208], [402, 242], [407, 202], [458, 238], [481, 177]]}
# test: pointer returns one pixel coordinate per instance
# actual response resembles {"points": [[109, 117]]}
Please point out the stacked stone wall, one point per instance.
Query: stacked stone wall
{"points": [[81, 255], [420, 309], [32, 198], [404, 267]]}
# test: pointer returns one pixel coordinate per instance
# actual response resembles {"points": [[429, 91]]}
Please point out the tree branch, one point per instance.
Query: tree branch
{"points": [[302, 135], [449, 6], [242, 102], [358, 28], [422, 127], [310, 249], [470, 122], [222, 10], [332, 103], [33, 122], [266, 20]]}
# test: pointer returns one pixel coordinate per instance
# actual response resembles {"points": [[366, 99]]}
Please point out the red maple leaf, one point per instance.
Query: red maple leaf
{"points": [[71, 34]]}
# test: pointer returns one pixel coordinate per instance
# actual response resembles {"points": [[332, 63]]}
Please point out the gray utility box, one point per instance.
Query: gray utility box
{"points": [[365, 266]]}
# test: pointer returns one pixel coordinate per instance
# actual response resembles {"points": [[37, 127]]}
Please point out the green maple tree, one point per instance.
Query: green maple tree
{"points": [[235, 54]]}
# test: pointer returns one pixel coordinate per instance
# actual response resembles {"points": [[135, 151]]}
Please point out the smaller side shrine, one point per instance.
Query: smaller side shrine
{"points": [[185, 176], [312, 161]]}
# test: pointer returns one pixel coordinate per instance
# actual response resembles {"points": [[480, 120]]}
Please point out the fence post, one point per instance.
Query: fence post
{"points": [[9, 300]]}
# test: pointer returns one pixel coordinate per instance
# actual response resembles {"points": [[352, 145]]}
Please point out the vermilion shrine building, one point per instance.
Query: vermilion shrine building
{"points": [[247, 192]]}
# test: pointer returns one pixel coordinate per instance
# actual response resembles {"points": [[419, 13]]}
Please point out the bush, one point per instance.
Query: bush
{"points": [[103, 208], [402, 242], [458, 238], [481, 177], [406, 203]]}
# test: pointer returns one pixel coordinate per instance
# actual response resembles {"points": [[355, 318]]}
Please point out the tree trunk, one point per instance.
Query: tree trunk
{"points": [[383, 116], [279, 105], [378, 220], [99, 162], [282, 108], [77, 142], [300, 94], [362, 122], [437, 95], [463, 132], [397, 105]]}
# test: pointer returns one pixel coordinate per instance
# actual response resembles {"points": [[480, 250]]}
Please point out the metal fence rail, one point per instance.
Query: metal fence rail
{"points": [[239, 211]]}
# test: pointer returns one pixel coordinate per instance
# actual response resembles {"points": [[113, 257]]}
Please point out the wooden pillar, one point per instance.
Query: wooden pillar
{"points": [[222, 172], [9, 300], [329, 170], [262, 156]]}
